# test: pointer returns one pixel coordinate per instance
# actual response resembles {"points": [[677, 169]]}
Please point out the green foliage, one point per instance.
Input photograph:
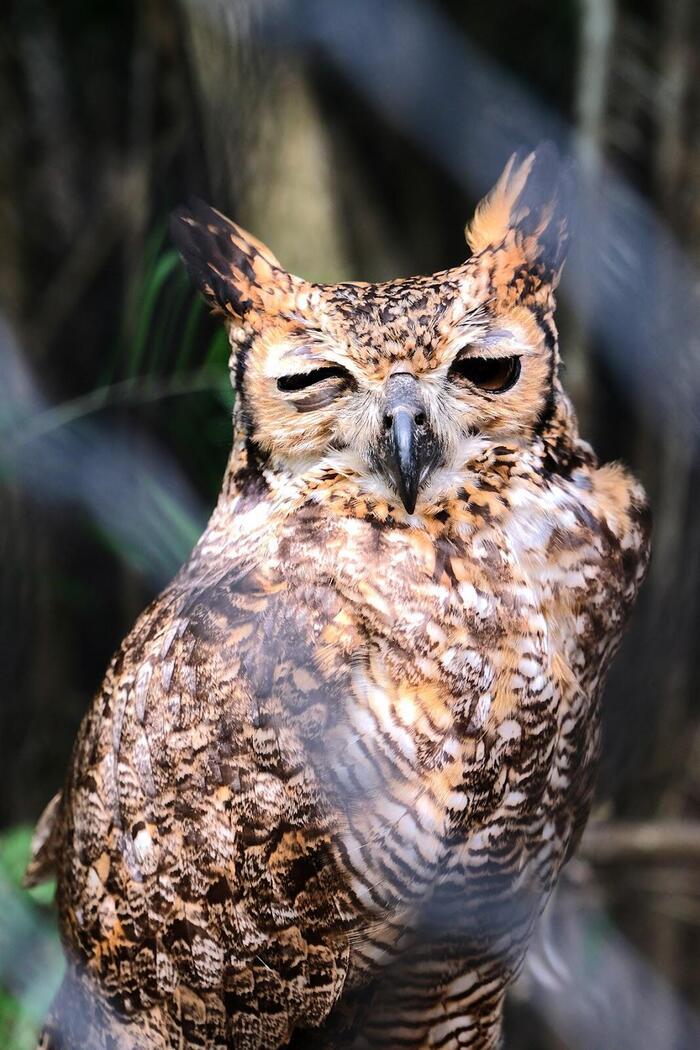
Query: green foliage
{"points": [[165, 328], [31, 960], [169, 344]]}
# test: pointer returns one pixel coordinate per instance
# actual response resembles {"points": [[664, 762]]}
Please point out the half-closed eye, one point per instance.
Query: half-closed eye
{"points": [[494, 375], [324, 385], [302, 380]]}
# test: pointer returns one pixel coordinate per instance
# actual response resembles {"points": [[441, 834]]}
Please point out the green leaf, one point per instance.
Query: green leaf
{"points": [[164, 267], [31, 959]]}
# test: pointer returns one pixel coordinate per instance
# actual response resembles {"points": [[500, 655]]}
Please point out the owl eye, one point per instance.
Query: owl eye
{"points": [[303, 380], [494, 374]]}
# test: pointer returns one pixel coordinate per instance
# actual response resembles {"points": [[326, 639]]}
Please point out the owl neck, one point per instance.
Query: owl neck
{"points": [[244, 477], [563, 449], [250, 478]]}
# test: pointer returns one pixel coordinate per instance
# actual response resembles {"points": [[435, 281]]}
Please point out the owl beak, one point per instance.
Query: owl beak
{"points": [[408, 448]]}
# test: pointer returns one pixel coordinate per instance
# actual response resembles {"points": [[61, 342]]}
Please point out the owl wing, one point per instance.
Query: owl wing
{"points": [[196, 880], [612, 545]]}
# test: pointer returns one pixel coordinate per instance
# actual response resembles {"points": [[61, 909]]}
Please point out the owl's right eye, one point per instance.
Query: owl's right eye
{"points": [[316, 389], [303, 380]]}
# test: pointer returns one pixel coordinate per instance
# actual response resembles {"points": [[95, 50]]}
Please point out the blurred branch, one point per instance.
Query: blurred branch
{"points": [[596, 33], [652, 841], [132, 391]]}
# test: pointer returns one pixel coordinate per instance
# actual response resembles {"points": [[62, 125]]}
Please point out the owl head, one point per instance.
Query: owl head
{"points": [[395, 385]]}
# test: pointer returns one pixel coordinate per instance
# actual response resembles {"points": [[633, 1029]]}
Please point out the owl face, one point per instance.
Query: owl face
{"points": [[397, 385]]}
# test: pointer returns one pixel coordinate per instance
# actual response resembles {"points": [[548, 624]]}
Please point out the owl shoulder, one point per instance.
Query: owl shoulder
{"points": [[623, 515]]}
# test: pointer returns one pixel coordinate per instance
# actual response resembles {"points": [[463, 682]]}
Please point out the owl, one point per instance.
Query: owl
{"points": [[334, 770]]}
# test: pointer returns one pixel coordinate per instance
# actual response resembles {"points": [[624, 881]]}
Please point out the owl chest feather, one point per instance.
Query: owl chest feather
{"points": [[459, 716], [331, 723]]}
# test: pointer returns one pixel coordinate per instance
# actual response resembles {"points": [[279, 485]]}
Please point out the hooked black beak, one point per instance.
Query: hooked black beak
{"points": [[408, 449]]}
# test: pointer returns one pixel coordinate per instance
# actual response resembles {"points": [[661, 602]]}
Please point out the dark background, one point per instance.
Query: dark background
{"points": [[355, 139]]}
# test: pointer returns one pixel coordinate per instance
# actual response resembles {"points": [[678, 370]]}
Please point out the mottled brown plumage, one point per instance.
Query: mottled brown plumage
{"points": [[334, 770]]}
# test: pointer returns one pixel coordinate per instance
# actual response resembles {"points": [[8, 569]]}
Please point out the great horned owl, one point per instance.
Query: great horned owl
{"points": [[334, 770]]}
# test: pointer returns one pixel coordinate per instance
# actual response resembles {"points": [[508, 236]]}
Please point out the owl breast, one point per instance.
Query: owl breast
{"points": [[336, 739], [455, 722]]}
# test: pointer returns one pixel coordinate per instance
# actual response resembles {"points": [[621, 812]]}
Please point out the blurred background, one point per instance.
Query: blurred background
{"points": [[355, 139]]}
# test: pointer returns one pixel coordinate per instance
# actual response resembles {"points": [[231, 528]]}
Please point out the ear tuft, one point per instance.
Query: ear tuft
{"points": [[532, 200], [226, 263]]}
